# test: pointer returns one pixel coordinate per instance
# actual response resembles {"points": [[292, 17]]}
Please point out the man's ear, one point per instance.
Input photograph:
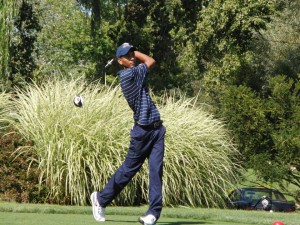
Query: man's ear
{"points": [[120, 61]]}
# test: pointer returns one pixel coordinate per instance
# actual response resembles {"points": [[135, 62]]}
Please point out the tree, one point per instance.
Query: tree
{"points": [[267, 128], [260, 106], [23, 46], [8, 9], [282, 39], [219, 50], [64, 41], [68, 46], [283, 155], [162, 29]]}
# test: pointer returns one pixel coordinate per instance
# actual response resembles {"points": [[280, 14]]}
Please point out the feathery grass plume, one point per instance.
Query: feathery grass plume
{"points": [[78, 149], [201, 161], [5, 109]]}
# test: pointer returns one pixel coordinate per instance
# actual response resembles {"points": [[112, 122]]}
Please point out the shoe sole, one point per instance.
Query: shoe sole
{"points": [[142, 221]]}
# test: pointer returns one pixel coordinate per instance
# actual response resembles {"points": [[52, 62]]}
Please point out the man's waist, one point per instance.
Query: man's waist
{"points": [[153, 125]]}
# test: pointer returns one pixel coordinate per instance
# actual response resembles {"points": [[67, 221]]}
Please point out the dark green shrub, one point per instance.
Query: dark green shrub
{"points": [[17, 183]]}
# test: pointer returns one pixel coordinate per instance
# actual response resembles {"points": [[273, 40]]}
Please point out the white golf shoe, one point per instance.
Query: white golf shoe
{"points": [[98, 211], [147, 220]]}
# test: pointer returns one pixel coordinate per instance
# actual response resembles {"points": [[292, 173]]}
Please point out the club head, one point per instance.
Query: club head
{"points": [[78, 101]]}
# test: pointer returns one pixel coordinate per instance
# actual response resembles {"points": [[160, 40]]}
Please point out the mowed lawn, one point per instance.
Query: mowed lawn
{"points": [[77, 219], [37, 214]]}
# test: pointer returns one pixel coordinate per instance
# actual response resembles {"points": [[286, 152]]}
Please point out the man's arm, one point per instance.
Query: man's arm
{"points": [[149, 61]]}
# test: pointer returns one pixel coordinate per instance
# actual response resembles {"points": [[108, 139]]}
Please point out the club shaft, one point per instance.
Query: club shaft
{"points": [[84, 88]]}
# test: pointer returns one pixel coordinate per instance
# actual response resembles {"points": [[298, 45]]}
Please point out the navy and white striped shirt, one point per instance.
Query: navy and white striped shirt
{"points": [[133, 84]]}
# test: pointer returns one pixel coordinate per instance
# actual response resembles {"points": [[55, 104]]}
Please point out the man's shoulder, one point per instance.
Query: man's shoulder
{"points": [[141, 68]]}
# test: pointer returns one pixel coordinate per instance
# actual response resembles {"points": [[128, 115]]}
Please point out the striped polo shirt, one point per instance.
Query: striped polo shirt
{"points": [[133, 84]]}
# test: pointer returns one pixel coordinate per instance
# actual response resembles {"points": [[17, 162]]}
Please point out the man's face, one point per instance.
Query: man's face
{"points": [[127, 60]]}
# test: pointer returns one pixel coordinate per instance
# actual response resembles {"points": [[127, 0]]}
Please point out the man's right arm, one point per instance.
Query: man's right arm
{"points": [[149, 61]]}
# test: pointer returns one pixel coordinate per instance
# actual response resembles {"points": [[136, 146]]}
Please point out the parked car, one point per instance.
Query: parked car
{"points": [[260, 199]]}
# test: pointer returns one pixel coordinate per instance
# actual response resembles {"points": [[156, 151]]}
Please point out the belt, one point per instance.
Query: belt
{"points": [[154, 125]]}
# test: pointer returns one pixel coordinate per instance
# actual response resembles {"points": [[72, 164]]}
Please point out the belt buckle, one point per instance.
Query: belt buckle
{"points": [[157, 124]]}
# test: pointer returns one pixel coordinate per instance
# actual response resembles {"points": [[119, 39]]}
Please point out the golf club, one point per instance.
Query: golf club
{"points": [[109, 62], [78, 100]]}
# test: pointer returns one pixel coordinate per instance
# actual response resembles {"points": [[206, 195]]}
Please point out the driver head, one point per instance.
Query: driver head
{"points": [[78, 101]]}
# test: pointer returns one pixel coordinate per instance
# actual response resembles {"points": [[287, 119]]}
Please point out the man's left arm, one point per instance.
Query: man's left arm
{"points": [[143, 58]]}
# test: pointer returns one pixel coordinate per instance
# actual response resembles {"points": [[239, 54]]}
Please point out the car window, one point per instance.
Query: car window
{"points": [[249, 195], [256, 194], [278, 196]]}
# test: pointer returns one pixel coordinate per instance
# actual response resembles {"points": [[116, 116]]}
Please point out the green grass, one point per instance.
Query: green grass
{"points": [[35, 214], [78, 219]]}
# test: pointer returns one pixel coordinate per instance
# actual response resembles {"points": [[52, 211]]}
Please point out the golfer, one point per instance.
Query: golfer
{"points": [[147, 137]]}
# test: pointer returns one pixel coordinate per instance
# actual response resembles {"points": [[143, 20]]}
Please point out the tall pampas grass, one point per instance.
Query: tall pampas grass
{"points": [[78, 149], [5, 110], [201, 164]]}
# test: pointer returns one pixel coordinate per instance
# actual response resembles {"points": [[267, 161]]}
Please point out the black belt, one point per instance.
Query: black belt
{"points": [[154, 125]]}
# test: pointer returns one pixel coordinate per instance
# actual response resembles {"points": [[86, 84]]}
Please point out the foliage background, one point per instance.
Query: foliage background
{"points": [[241, 57]]}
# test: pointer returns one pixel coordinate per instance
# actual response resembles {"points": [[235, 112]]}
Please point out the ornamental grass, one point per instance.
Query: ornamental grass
{"points": [[5, 110], [78, 149]]}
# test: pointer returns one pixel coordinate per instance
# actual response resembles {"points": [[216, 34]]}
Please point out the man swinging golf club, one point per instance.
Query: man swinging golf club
{"points": [[147, 137]]}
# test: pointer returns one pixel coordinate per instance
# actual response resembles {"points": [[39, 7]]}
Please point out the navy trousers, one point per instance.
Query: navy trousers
{"points": [[144, 143]]}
